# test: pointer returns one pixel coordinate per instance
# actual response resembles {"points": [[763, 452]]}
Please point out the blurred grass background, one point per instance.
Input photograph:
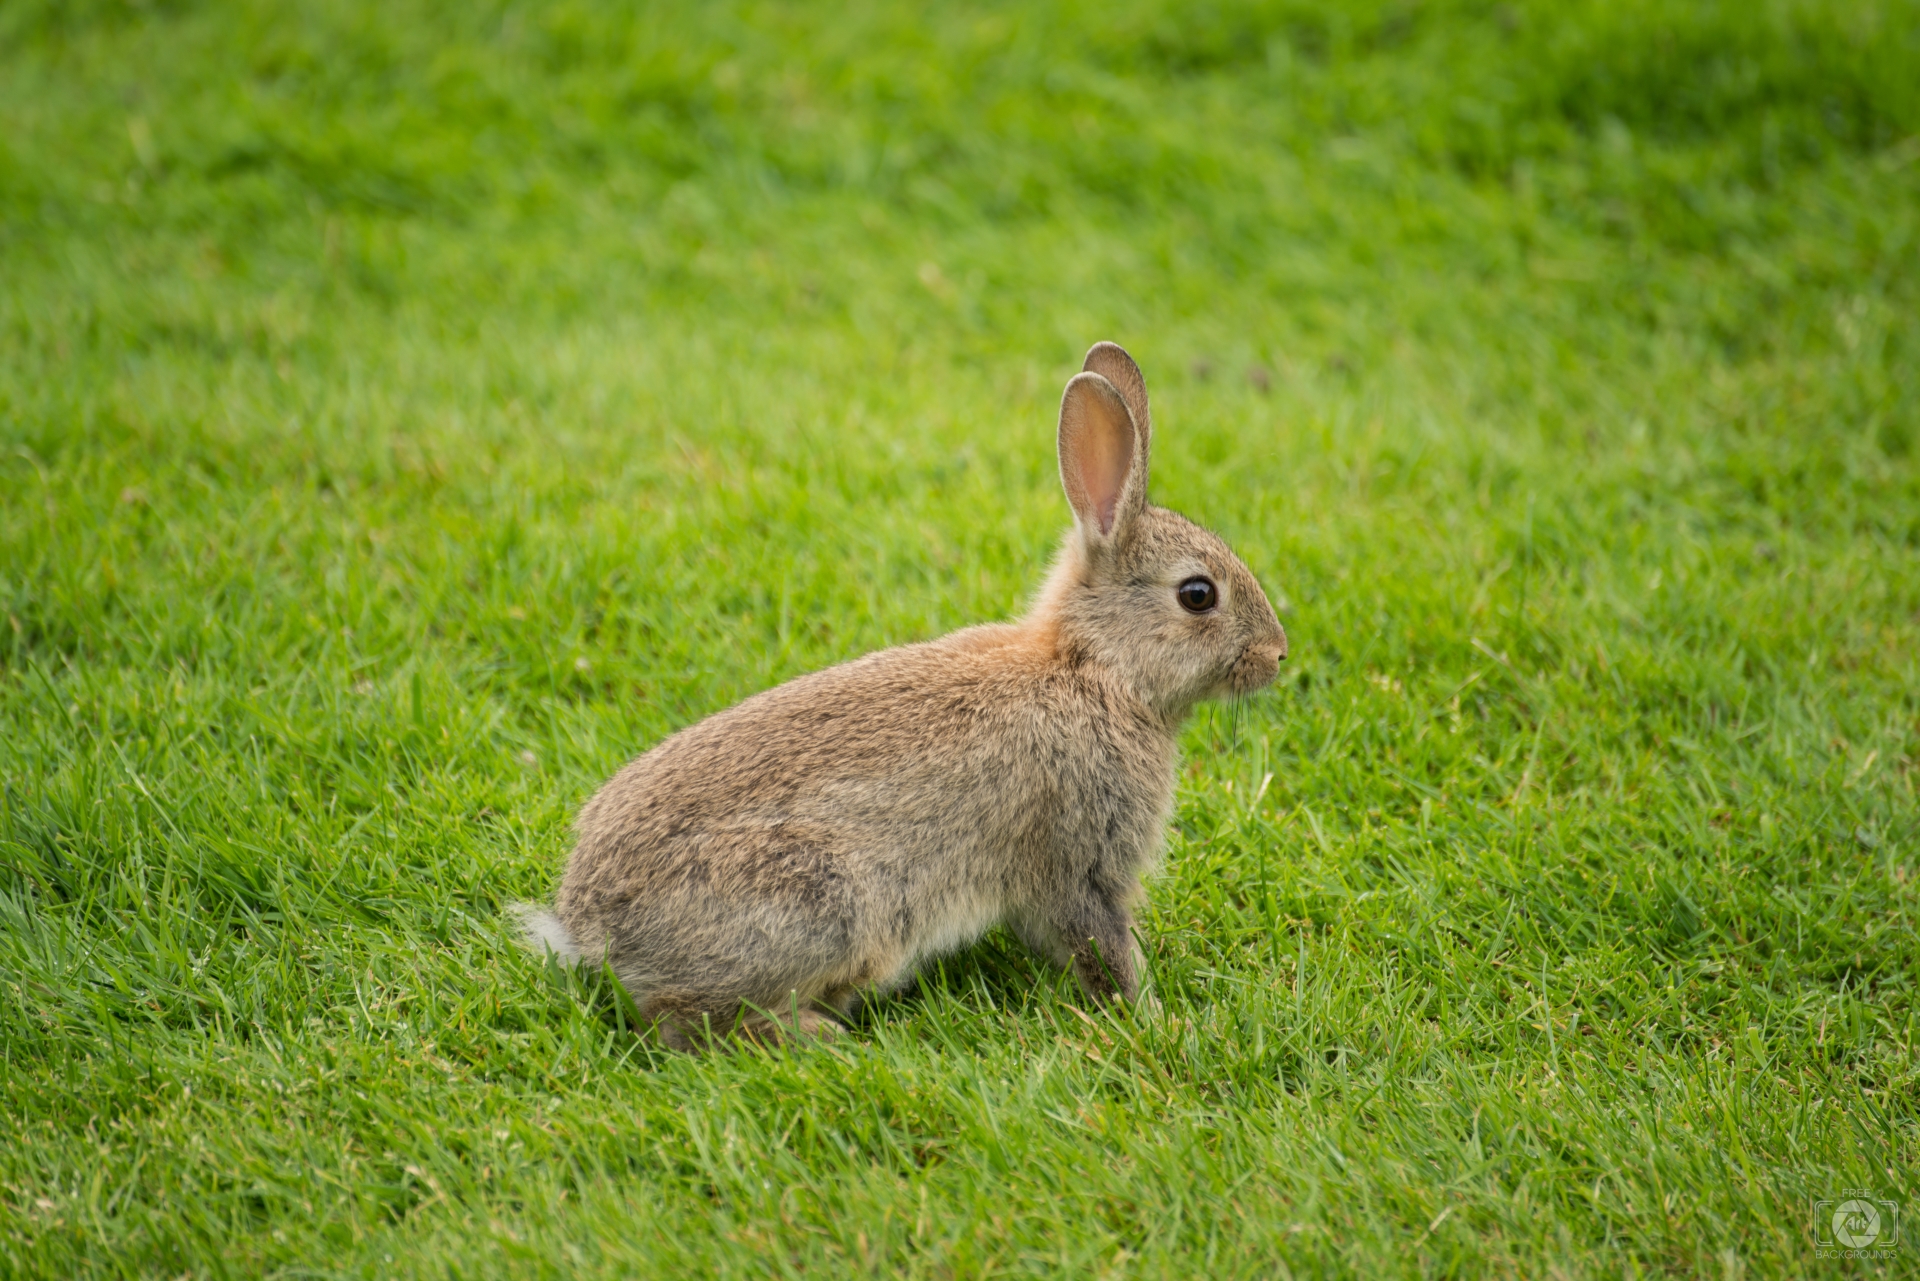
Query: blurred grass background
{"points": [[409, 412]]}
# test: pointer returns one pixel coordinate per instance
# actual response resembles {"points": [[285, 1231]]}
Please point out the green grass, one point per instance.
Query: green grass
{"points": [[407, 414]]}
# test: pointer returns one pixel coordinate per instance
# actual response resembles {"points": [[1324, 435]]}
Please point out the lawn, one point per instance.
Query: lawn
{"points": [[410, 412]]}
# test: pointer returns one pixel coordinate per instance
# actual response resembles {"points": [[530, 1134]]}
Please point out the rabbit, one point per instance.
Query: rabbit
{"points": [[763, 871]]}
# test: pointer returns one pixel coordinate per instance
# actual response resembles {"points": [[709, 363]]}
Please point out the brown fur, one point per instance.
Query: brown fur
{"points": [[769, 865]]}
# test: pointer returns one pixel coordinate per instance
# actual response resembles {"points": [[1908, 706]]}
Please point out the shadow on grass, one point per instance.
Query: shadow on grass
{"points": [[998, 972]]}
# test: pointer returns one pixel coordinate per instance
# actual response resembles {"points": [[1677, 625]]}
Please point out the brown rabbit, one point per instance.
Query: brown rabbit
{"points": [[822, 839]]}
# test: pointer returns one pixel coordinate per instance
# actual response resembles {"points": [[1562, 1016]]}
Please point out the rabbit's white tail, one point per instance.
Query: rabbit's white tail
{"points": [[542, 933]]}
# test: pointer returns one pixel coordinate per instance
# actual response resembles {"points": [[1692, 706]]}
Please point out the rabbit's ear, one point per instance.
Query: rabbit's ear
{"points": [[1102, 459], [1111, 361]]}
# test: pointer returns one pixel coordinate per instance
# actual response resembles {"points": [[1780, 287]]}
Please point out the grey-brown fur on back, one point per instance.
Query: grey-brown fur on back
{"points": [[825, 837]]}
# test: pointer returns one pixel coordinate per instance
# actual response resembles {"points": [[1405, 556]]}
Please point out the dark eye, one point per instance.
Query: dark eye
{"points": [[1198, 595]]}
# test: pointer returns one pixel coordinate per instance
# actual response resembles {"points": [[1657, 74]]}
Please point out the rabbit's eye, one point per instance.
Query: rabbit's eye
{"points": [[1198, 595]]}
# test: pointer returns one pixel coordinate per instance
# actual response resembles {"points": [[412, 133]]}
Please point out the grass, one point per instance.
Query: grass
{"points": [[408, 414]]}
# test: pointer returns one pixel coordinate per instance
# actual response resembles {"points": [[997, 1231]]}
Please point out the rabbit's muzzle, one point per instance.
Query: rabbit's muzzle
{"points": [[1257, 665]]}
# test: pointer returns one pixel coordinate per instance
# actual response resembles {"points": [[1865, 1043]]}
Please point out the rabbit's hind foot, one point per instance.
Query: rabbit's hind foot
{"points": [[750, 1025]]}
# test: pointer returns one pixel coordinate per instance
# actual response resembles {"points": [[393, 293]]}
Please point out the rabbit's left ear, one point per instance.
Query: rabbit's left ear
{"points": [[1103, 459]]}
